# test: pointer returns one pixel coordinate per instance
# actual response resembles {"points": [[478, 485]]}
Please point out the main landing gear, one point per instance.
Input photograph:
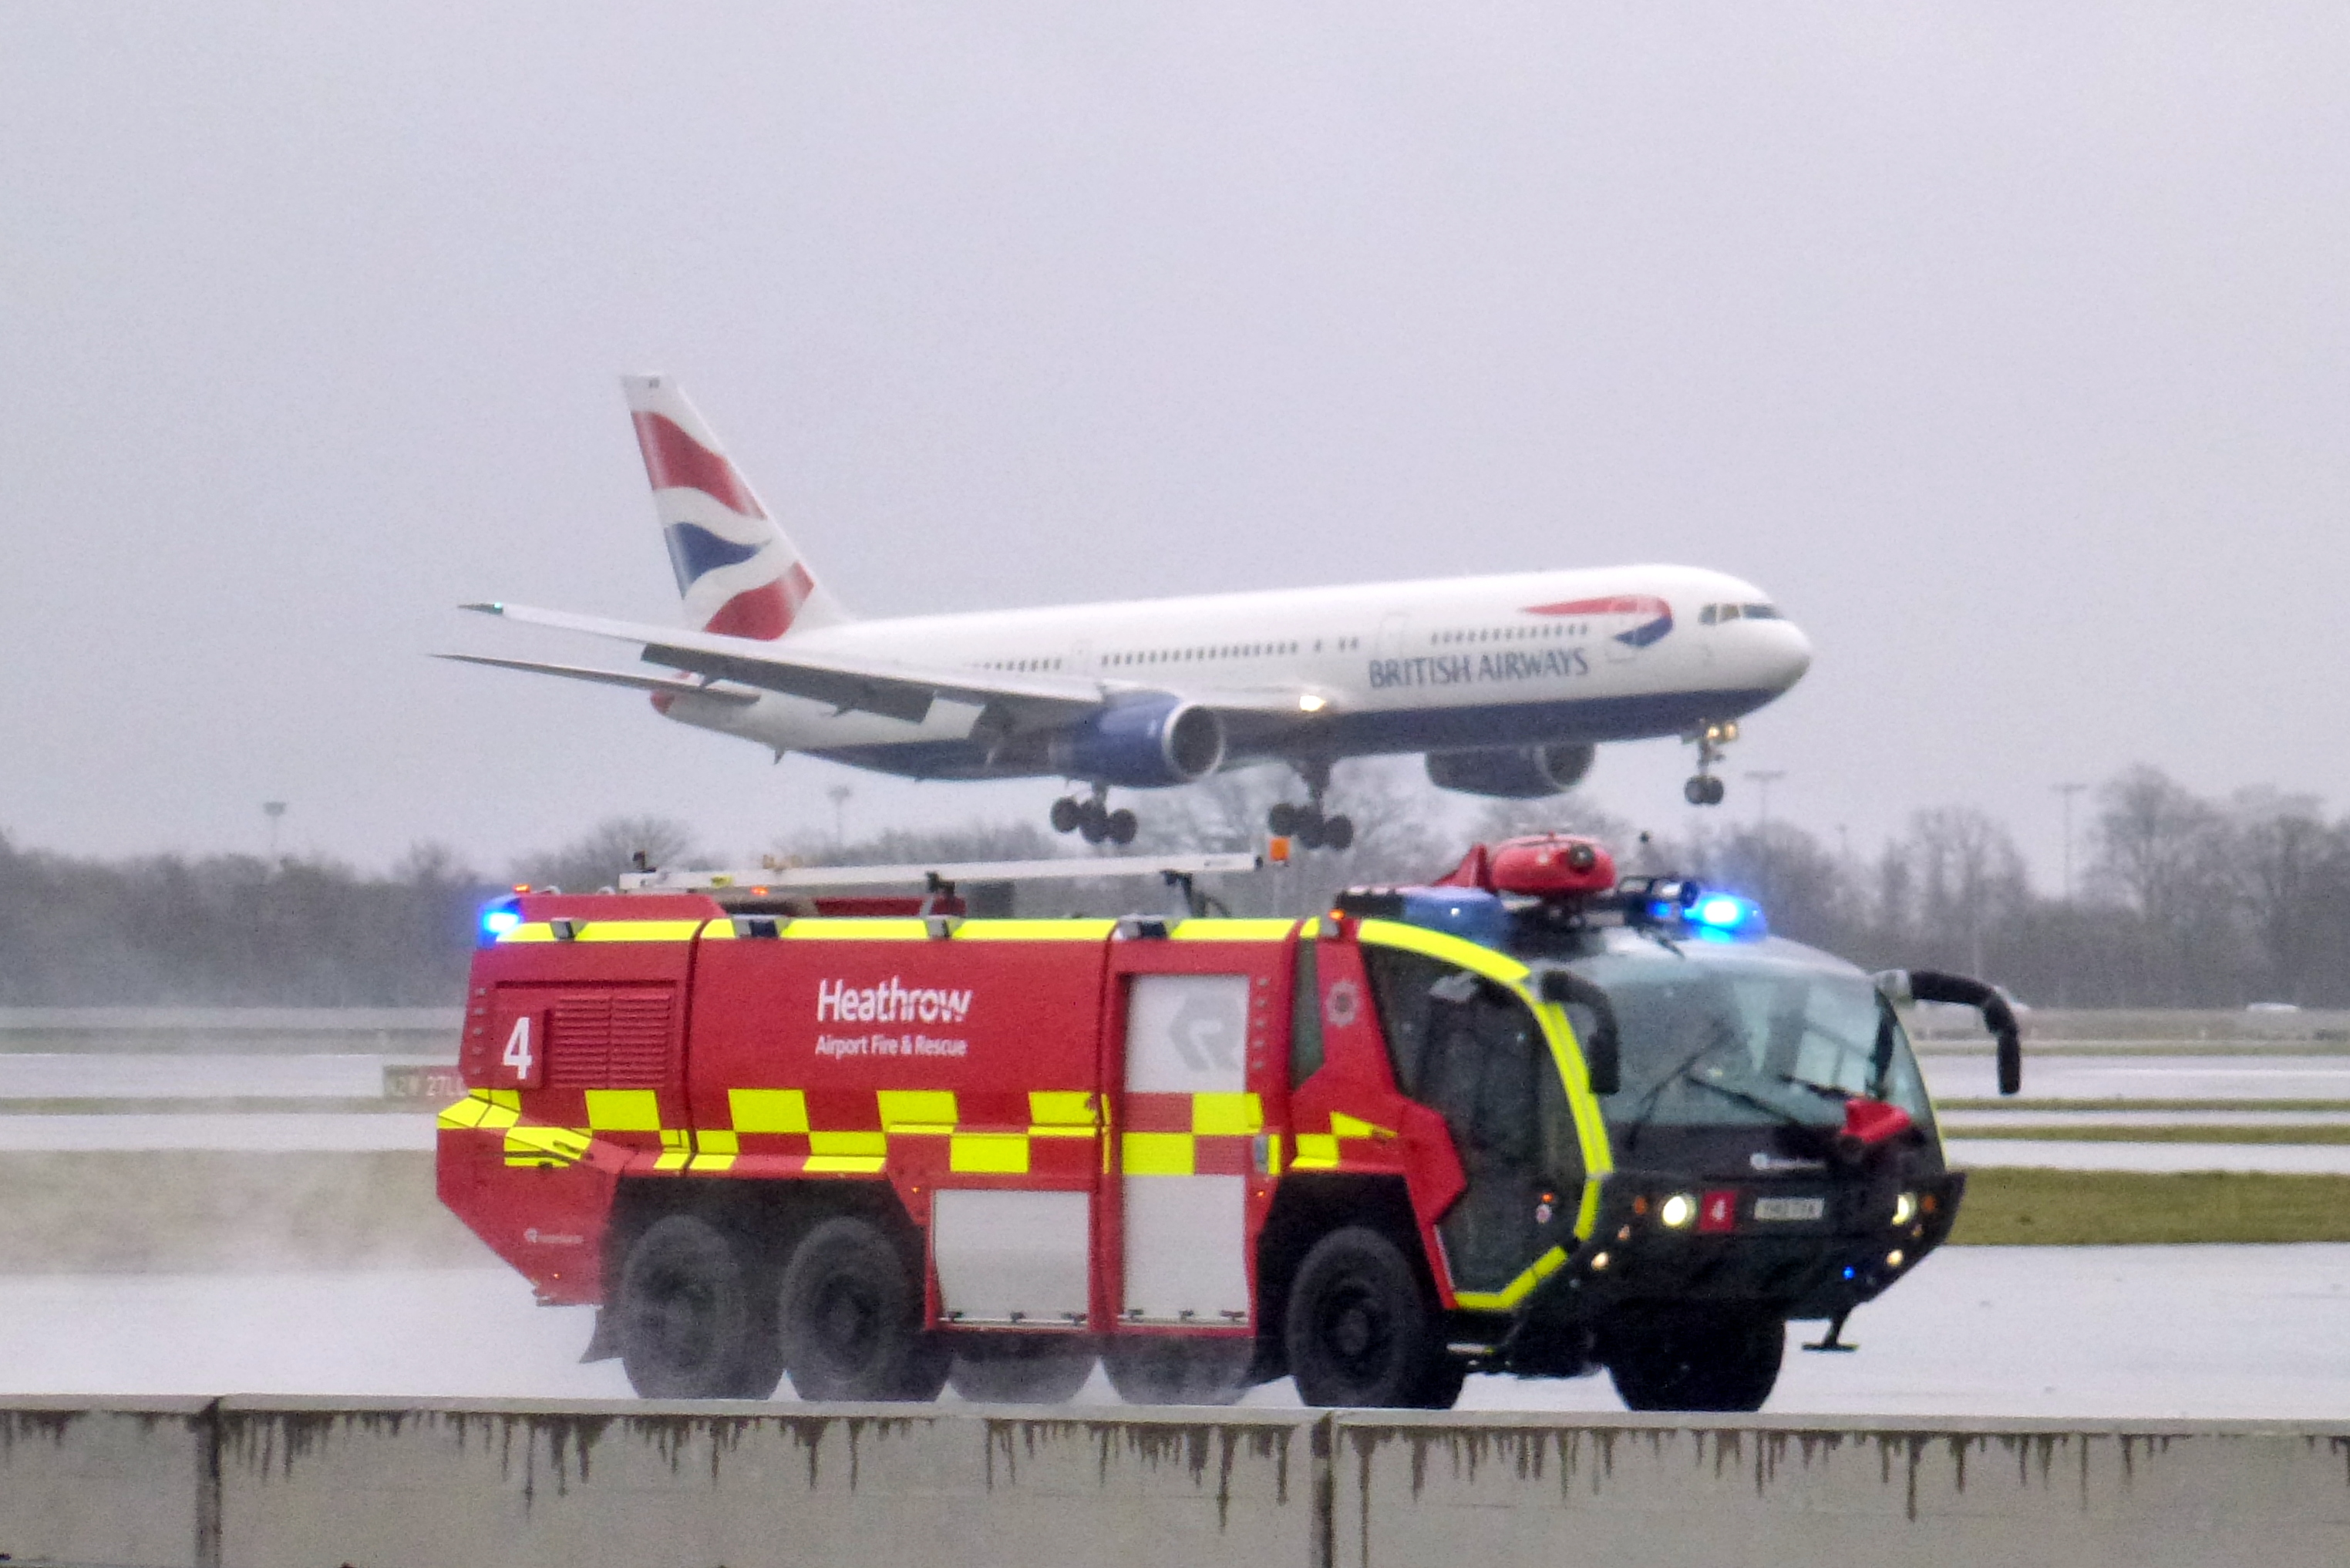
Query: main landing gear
{"points": [[1306, 823], [1704, 788], [1092, 820]]}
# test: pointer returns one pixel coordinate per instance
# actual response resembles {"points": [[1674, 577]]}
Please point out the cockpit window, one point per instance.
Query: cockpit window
{"points": [[1756, 612]]}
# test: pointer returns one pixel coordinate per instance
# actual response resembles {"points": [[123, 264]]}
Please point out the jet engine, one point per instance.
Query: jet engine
{"points": [[1512, 772], [1143, 745]]}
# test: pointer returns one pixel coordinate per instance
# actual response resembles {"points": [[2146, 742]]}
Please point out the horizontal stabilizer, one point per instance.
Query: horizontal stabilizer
{"points": [[674, 685]]}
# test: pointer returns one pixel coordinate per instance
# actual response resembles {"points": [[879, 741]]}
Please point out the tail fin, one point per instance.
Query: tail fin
{"points": [[737, 573]]}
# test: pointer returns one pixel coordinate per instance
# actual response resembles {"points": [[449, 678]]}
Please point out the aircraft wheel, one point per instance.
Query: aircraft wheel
{"points": [[1066, 815], [1338, 832], [1121, 827], [1696, 791], [1714, 790], [1281, 820], [1093, 821], [1309, 833]]}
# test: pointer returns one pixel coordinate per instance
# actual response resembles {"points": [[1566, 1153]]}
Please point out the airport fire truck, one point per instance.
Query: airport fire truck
{"points": [[1528, 1119]]}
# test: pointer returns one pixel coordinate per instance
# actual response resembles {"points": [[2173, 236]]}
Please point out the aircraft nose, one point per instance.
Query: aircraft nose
{"points": [[1791, 654]]}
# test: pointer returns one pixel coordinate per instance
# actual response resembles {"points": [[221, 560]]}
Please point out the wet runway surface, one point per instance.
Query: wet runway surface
{"points": [[2130, 1331]]}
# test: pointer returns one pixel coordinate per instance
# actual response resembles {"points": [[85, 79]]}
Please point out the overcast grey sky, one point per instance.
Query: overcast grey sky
{"points": [[2004, 345]]}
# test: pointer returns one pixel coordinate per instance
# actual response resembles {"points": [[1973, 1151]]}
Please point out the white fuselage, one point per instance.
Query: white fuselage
{"points": [[1460, 664]]}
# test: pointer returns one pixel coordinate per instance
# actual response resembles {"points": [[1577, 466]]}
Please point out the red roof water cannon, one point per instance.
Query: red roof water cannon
{"points": [[1540, 866]]}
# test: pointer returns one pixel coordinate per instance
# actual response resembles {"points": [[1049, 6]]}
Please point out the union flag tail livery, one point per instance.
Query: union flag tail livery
{"points": [[1506, 684], [737, 571]]}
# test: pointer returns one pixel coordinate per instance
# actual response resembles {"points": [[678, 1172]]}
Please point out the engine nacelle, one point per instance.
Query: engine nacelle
{"points": [[1144, 745], [1512, 772]]}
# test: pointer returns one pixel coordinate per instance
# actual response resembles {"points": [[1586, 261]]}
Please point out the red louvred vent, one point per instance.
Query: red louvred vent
{"points": [[610, 1038]]}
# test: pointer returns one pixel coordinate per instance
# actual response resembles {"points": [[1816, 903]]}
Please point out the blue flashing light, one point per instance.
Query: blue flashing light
{"points": [[1849, 1272], [1728, 914], [498, 919]]}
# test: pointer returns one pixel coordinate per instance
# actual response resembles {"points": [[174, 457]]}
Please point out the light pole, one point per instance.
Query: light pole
{"points": [[1764, 778], [275, 810], [2068, 791], [839, 795]]}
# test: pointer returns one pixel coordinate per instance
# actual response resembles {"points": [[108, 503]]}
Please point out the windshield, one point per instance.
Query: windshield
{"points": [[1713, 1038]]}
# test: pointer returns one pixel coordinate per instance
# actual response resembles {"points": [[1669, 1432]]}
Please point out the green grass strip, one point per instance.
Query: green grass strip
{"points": [[2327, 1133], [2008, 1208]]}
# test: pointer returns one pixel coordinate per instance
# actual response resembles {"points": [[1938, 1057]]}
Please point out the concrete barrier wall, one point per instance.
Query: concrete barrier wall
{"points": [[1502, 1490], [112, 1483], [255, 1483], [305, 1482]]}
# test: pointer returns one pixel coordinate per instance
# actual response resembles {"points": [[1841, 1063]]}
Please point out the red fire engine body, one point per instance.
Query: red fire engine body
{"points": [[879, 1152]]}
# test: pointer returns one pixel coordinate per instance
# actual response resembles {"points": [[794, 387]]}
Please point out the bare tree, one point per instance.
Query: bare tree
{"points": [[1970, 877], [597, 857]]}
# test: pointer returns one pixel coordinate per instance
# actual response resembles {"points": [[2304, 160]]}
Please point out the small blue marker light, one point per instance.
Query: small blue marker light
{"points": [[1848, 1273]]}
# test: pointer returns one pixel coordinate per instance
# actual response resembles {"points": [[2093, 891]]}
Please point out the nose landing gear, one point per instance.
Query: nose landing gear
{"points": [[1093, 820], [1704, 788], [1307, 824]]}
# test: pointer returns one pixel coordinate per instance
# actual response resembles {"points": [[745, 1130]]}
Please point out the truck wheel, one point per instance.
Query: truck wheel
{"points": [[1361, 1329], [1724, 1359], [850, 1318], [1177, 1369], [1021, 1368], [694, 1322]]}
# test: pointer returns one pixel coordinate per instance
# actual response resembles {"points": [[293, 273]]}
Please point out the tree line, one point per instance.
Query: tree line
{"points": [[2182, 900]]}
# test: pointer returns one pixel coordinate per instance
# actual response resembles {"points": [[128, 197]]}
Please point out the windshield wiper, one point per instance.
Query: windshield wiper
{"points": [[1715, 1041], [1778, 1112]]}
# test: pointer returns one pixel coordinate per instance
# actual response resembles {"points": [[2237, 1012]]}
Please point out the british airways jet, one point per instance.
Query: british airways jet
{"points": [[1507, 683]]}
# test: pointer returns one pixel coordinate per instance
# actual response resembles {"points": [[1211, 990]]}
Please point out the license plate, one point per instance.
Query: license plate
{"points": [[1790, 1207]]}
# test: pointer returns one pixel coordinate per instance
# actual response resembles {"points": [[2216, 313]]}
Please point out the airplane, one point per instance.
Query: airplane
{"points": [[1507, 683]]}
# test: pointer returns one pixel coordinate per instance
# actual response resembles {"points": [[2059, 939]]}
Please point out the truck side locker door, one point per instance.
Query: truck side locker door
{"points": [[1190, 1021]]}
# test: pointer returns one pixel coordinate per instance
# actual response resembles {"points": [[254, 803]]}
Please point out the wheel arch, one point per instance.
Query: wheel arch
{"points": [[1305, 1210]]}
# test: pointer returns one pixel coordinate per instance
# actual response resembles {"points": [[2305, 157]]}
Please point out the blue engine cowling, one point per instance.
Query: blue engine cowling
{"points": [[1511, 773], [1147, 744]]}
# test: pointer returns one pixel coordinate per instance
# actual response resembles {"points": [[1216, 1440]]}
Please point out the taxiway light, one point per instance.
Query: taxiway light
{"points": [[1677, 1212], [1905, 1209]]}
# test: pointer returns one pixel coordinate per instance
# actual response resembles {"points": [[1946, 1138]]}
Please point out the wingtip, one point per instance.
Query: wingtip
{"points": [[487, 606]]}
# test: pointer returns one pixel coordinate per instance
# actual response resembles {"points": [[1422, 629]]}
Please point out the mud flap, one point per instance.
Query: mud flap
{"points": [[604, 1344]]}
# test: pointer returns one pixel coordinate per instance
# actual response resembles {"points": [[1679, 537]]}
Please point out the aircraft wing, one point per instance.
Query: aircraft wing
{"points": [[670, 683], [873, 686]]}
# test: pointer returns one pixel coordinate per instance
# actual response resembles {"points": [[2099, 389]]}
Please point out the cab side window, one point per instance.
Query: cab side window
{"points": [[1402, 987], [1305, 1017]]}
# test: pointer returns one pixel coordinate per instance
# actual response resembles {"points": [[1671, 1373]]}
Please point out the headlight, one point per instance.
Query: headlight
{"points": [[1677, 1212], [1905, 1209]]}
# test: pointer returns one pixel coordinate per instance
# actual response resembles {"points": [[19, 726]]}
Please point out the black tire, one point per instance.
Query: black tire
{"points": [[1021, 1368], [695, 1317], [1122, 827], [1696, 1359], [1696, 790], [1065, 815], [1093, 821], [1177, 1369], [1363, 1329], [850, 1318], [1338, 832], [1281, 819], [1309, 832]]}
